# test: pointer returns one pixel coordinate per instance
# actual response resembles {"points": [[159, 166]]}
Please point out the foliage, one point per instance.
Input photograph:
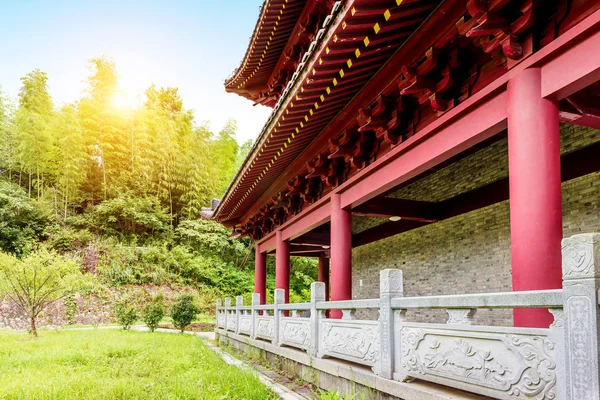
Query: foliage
{"points": [[99, 149], [335, 395], [153, 312], [127, 216], [22, 220], [213, 239], [37, 281], [183, 312], [114, 364], [121, 187], [70, 308], [126, 314], [68, 239]]}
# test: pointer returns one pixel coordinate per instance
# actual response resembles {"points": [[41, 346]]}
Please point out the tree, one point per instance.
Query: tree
{"points": [[34, 139], [224, 150], [7, 137], [38, 280], [153, 312], [183, 312], [101, 123], [126, 314], [71, 155]]}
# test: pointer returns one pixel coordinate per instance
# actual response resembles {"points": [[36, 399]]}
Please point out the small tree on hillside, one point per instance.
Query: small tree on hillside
{"points": [[37, 281], [153, 312], [126, 314], [183, 312]]}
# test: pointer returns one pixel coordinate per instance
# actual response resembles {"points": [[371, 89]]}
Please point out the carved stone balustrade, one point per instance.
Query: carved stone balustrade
{"points": [[560, 362]]}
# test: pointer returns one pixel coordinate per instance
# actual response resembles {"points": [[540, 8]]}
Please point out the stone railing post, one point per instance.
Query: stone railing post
{"points": [[218, 314], [255, 302], [279, 298], [390, 286], [317, 293], [581, 281], [227, 312], [239, 302]]}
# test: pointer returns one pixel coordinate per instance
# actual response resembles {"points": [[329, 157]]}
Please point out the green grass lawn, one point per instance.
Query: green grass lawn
{"points": [[116, 364]]}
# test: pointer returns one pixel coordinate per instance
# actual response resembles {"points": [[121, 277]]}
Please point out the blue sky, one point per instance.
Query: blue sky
{"points": [[192, 45]]}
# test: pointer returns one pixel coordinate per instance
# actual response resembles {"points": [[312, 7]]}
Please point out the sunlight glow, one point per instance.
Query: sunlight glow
{"points": [[121, 101], [125, 100]]}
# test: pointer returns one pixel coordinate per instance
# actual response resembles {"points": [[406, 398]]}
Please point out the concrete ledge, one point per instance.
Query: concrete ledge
{"points": [[346, 377]]}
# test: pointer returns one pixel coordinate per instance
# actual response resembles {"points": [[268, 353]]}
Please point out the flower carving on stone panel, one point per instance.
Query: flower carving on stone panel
{"points": [[360, 341], [264, 328], [581, 256], [296, 333], [522, 366], [221, 320], [474, 365]]}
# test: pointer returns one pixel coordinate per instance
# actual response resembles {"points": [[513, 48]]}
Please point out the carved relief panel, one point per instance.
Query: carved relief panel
{"points": [[295, 332], [502, 365], [356, 341], [264, 327]]}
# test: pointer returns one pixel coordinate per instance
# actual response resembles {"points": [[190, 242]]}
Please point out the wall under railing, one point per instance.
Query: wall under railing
{"points": [[561, 362]]}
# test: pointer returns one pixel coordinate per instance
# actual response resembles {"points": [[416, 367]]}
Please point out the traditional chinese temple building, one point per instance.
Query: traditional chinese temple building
{"points": [[455, 140]]}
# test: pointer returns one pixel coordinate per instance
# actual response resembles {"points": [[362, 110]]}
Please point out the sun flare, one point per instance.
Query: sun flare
{"points": [[121, 100]]}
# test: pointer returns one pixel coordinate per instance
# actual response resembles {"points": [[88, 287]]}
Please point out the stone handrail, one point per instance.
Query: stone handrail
{"points": [[526, 299], [559, 362], [349, 304]]}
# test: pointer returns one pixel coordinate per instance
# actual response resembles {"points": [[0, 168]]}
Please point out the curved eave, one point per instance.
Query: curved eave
{"points": [[357, 41], [271, 34]]}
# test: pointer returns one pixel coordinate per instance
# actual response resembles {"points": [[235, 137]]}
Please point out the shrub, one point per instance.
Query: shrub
{"points": [[126, 315], [23, 221], [153, 312], [212, 239], [66, 239], [183, 312]]}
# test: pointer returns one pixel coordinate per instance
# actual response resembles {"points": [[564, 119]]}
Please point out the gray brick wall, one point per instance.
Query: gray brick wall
{"points": [[469, 253]]}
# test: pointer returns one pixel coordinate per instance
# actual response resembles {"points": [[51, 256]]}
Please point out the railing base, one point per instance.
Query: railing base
{"points": [[329, 374]]}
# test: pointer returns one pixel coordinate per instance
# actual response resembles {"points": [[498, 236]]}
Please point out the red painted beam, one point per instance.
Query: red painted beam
{"points": [[578, 68], [427, 149]]}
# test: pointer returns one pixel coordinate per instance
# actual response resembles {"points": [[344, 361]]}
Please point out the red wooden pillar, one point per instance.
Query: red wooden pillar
{"points": [[535, 192], [341, 253], [324, 274], [282, 265], [260, 275]]}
